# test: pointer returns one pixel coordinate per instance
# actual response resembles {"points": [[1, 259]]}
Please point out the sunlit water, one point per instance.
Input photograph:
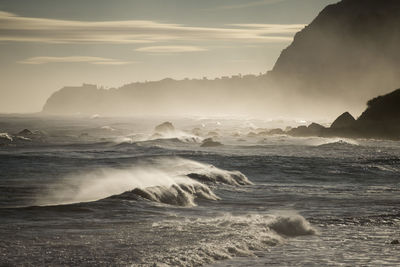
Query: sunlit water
{"points": [[108, 192]]}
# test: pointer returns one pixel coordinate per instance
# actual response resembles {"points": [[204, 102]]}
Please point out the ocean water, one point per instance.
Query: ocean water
{"points": [[110, 192]]}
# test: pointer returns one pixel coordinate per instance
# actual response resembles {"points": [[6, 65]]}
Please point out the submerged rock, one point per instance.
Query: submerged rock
{"points": [[209, 142], [25, 132], [165, 127], [395, 242]]}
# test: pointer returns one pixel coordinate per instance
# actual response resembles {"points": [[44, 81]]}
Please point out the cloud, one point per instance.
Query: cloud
{"points": [[250, 4], [14, 28], [73, 59], [273, 28], [170, 49]]}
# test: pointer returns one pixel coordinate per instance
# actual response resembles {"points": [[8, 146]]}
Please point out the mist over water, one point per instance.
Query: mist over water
{"points": [[159, 197]]}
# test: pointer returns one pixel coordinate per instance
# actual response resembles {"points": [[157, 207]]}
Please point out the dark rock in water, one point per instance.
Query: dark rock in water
{"points": [[209, 142], [395, 242], [314, 129], [343, 121], [299, 131], [383, 108], [277, 131], [165, 127], [381, 119], [25, 132]]}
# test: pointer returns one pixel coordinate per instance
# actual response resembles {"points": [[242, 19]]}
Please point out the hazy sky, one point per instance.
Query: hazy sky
{"points": [[48, 44]]}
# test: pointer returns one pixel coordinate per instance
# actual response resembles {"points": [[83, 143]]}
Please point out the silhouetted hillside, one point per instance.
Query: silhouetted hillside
{"points": [[235, 94], [346, 56], [350, 52]]}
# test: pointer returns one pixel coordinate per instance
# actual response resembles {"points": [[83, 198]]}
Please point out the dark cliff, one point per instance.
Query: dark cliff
{"points": [[348, 53]]}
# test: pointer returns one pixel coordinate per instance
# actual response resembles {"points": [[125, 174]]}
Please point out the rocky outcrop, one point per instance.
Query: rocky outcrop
{"points": [[25, 132], [314, 129], [383, 109], [345, 120], [381, 120]]}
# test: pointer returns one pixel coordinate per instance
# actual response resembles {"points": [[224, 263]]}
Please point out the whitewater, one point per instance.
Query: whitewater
{"points": [[113, 192]]}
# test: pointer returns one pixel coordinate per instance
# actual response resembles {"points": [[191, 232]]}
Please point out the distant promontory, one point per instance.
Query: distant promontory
{"points": [[347, 55]]}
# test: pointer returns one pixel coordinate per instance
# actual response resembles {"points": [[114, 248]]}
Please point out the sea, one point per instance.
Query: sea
{"points": [[96, 191]]}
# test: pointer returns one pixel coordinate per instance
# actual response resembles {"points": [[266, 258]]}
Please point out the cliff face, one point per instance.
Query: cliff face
{"points": [[346, 53]]}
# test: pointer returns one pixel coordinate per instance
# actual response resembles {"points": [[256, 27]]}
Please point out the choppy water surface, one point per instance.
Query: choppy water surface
{"points": [[111, 192]]}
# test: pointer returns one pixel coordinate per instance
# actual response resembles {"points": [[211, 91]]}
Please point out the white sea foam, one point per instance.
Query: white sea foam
{"points": [[108, 128], [176, 134], [206, 172], [6, 136], [233, 236], [335, 141]]}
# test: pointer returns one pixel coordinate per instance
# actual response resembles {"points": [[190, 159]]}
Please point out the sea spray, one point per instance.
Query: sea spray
{"points": [[164, 180]]}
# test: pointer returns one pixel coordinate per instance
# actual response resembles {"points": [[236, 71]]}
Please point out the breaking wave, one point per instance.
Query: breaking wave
{"points": [[173, 181], [238, 236], [6, 137]]}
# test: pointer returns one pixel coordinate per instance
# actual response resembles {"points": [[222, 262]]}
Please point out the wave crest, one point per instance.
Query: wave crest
{"points": [[179, 194], [171, 181]]}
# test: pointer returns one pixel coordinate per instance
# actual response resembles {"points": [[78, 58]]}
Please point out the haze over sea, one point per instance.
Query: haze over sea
{"points": [[199, 133], [100, 191]]}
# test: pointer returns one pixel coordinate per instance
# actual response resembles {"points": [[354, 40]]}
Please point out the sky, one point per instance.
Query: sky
{"points": [[48, 44]]}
